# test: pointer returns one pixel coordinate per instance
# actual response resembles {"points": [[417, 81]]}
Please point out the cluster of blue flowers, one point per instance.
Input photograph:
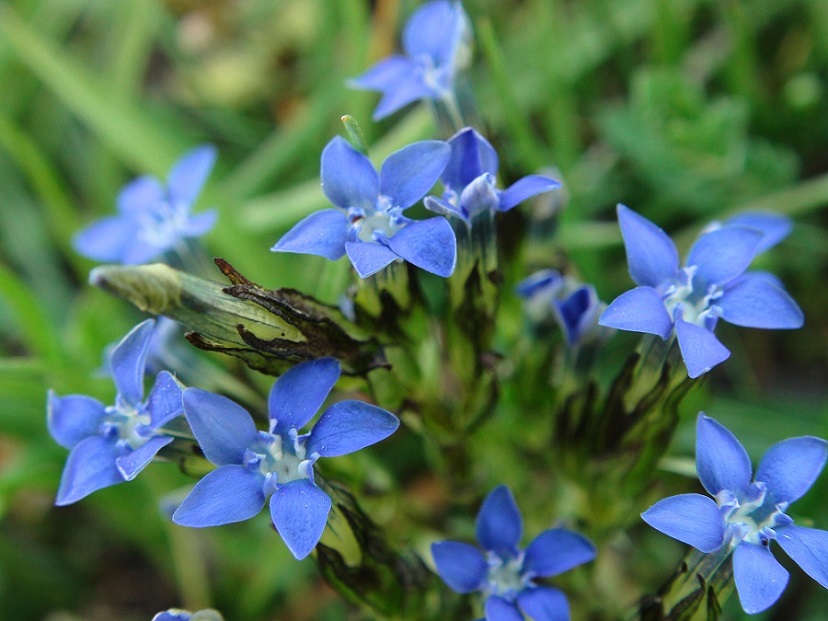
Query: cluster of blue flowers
{"points": [[110, 445], [276, 466]]}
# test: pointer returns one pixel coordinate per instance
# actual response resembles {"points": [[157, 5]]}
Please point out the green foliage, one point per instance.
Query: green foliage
{"points": [[688, 111]]}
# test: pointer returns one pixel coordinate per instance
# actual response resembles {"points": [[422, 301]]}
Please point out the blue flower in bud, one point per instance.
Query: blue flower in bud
{"points": [[469, 181], [690, 300], [747, 511], [112, 444], [369, 225], [255, 465], [575, 307], [436, 44], [503, 572], [152, 219]]}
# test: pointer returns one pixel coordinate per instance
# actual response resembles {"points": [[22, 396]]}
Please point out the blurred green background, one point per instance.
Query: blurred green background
{"points": [[685, 110]]}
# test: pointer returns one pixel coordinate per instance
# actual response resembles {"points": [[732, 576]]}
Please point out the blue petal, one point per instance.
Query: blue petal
{"points": [[173, 614], [369, 257], [406, 175], [408, 90], [300, 511], [700, 349], [349, 426], [773, 226], [199, 224], [499, 523], [106, 239], [808, 547], [529, 186], [577, 312], [480, 196], [651, 254], [140, 194], [189, 174], [89, 467], [691, 518], [499, 609], [471, 156], [348, 176], [460, 565], [759, 577], [139, 251], [299, 393], [400, 79], [224, 429], [431, 31], [130, 464], [555, 551], [754, 301], [638, 310], [444, 208], [385, 75], [544, 604], [226, 495], [165, 400], [790, 467], [429, 244], [128, 360], [541, 281], [322, 233], [721, 461], [723, 254], [72, 418]]}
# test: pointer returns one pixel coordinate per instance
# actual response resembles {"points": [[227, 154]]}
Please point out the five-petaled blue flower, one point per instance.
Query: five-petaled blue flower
{"points": [[690, 300], [505, 573], [748, 514], [436, 44], [113, 444], [574, 306], [152, 219], [369, 225], [278, 463], [469, 180]]}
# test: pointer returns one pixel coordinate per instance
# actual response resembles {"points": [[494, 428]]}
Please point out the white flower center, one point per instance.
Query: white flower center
{"points": [[753, 516], [279, 462], [505, 577], [160, 225], [686, 299], [373, 225], [130, 427]]}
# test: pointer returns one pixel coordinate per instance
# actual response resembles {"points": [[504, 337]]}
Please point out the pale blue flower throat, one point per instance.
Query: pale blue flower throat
{"points": [[752, 517], [505, 577]]}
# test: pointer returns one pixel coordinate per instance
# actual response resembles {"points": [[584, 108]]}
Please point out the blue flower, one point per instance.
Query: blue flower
{"points": [[152, 219], [574, 306], [176, 614], [690, 300], [503, 572], [112, 444], [469, 180], [436, 45], [173, 614], [369, 225], [278, 463], [749, 512]]}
